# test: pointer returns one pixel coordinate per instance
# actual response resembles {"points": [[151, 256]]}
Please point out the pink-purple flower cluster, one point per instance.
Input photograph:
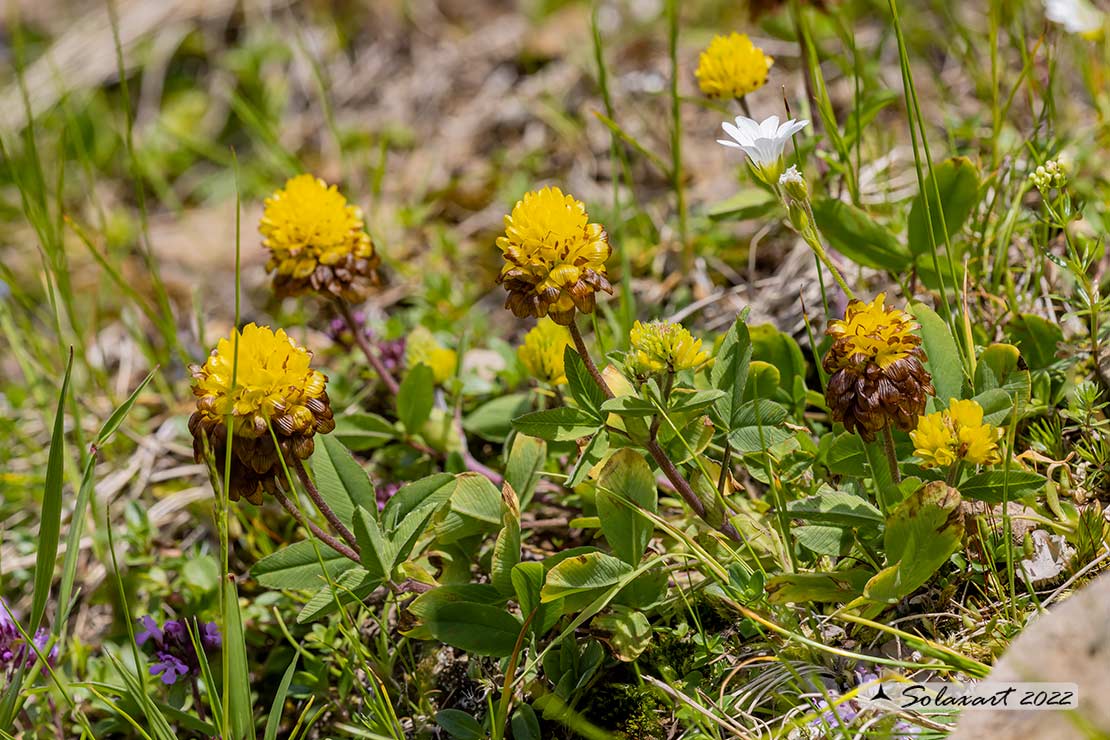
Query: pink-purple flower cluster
{"points": [[172, 647], [391, 351], [386, 491], [14, 650]]}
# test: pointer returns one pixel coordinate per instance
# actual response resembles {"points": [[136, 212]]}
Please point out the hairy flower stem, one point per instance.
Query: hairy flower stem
{"points": [[584, 353], [891, 455], [320, 534], [654, 449], [364, 345], [811, 237], [322, 505]]}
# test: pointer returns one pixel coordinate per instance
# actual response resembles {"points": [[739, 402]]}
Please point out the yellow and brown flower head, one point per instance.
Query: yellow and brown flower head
{"points": [[542, 352], [877, 378], [732, 66], [317, 242], [274, 386], [660, 346], [957, 433], [554, 257]]}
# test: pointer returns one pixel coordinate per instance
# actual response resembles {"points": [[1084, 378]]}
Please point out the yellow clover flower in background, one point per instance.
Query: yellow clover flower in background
{"points": [[659, 346], [877, 376], [421, 347], [274, 386], [317, 241], [957, 433], [554, 257], [542, 351], [732, 66]]}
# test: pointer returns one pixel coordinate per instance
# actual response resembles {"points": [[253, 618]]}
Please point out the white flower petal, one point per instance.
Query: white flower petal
{"points": [[763, 141], [1076, 16], [754, 153], [772, 150], [791, 176], [734, 132], [769, 127], [748, 126], [791, 127]]}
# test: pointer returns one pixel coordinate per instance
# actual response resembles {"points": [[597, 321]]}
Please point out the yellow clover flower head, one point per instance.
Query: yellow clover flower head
{"points": [[274, 386], [877, 376], [421, 347], [317, 241], [542, 352], [554, 257], [732, 66], [957, 433], [659, 346]]}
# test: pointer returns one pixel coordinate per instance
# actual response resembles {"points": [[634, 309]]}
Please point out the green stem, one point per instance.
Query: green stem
{"points": [[676, 138], [886, 492], [505, 703], [726, 463], [813, 239], [891, 455], [954, 473], [657, 453]]}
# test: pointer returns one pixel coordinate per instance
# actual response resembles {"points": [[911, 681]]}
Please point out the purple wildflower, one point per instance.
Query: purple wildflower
{"points": [[391, 351], [173, 651], [903, 730], [846, 711], [386, 491], [13, 648], [340, 333]]}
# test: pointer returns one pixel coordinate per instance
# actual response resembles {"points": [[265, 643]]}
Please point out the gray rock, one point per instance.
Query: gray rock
{"points": [[1069, 644]]}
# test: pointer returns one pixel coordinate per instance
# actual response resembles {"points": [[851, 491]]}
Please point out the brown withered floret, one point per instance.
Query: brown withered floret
{"points": [[274, 386], [351, 279], [317, 242], [554, 257], [877, 372]]}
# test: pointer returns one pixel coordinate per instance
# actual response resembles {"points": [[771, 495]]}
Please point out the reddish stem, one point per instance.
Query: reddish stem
{"points": [[364, 344]]}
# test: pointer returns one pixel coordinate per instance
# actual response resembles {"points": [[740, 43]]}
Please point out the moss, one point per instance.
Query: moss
{"points": [[713, 615], [628, 711]]}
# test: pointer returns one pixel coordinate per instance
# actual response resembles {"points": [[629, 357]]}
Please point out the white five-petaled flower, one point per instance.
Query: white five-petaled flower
{"points": [[762, 142], [1076, 16]]}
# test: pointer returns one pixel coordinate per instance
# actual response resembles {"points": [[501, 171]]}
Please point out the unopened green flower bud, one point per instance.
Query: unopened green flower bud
{"points": [[799, 217], [1049, 175]]}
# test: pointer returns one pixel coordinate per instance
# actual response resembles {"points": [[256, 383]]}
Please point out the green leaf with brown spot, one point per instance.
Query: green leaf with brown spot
{"points": [[921, 532], [583, 572], [803, 588]]}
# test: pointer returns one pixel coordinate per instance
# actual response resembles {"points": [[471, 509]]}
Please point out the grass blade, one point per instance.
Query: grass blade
{"points": [[51, 521], [237, 678], [274, 720]]}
